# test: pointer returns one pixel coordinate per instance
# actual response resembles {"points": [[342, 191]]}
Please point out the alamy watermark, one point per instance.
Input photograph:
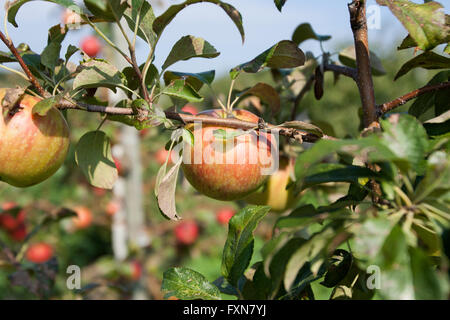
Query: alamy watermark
{"points": [[74, 279]]}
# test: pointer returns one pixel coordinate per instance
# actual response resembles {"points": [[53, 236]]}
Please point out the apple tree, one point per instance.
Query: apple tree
{"points": [[387, 237]]}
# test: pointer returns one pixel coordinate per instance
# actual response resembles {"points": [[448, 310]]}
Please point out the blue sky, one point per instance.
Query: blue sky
{"points": [[263, 24]]}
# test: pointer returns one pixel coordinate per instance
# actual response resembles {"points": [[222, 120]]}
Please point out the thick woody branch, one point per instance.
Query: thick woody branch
{"points": [[388, 106], [31, 77], [358, 22]]}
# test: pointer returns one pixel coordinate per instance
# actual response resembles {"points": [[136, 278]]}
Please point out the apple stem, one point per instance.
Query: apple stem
{"points": [[229, 104]]}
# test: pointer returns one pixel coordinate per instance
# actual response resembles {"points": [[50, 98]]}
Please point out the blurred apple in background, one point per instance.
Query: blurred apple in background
{"points": [[84, 217], [91, 46], [112, 207], [99, 192], [274, 193], [19, 234], [39, 252], [189, 108], [161, 156], [186, 232], [224, 215], [70, 17], [8, 220]]}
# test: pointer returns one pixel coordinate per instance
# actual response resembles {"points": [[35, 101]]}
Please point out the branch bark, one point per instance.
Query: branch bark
{"points": [[358, 22], [388, 106]]}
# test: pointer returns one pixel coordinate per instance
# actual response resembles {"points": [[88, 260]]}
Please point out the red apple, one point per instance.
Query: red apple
{"points": [[7, 220], [112, 207], [19, 234], [227, 169], [161, 156], [118, 166], [189, 108], [186, 232], [224, 215], [91, 46], [70, 17], [39, 252], [32, 147], [99, 192], [136, 270], [84, 217], [275, 194]]}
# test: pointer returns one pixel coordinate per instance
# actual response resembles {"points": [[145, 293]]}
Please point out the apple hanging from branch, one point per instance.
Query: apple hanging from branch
{"points": [[32, 147], [231, 168]]}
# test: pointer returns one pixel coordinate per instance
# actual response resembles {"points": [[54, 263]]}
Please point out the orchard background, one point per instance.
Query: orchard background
{"points": [[371, 173]]}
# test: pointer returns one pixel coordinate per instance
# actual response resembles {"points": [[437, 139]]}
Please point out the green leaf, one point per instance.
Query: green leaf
{"points": [[309, 251], [238, 248], [437, 176], [304, 32], [394, 261], [195, 80], [285, 54], [50, 55], [15, 6], [425, 22], [144, 10], [369, 238], [190, 47], [408, 140], [427, 100], [349, 174], [108, 10], [340, 264], [71, 50], [96, 73], [258, 288], [348, 58], [163, 20], [266, 93], [6, 57], [427, 60], [93, 156], [279, 4], [426, 283], [187, 284], [42, 107], [179, 88]]}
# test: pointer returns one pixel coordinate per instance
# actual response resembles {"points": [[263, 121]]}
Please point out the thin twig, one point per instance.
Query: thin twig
{"points": [[25, 68], [388, 106], [300, 96], [345, 71]]}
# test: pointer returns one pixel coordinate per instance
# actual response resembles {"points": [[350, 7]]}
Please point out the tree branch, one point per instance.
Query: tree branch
{"points": [[358, 22], [388, 106], [346, 71], [31, 77], [299, 135], [300, 96]]}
